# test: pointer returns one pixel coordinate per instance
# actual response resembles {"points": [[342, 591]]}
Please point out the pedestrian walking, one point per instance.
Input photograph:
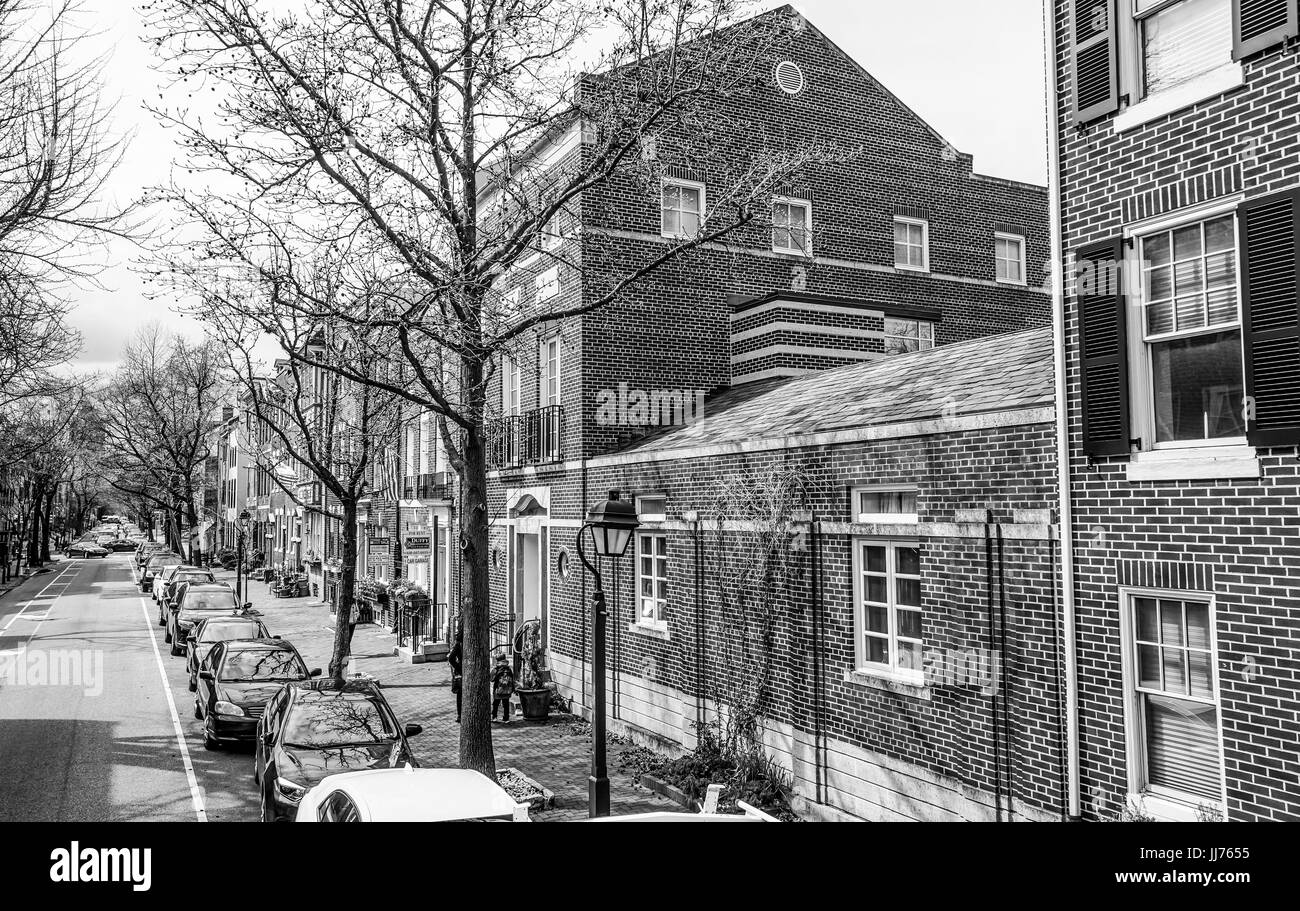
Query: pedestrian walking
{"points": [[503, 687], [455, 660]]}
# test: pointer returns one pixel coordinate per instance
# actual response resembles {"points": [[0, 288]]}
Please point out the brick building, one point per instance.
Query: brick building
{"points": [[898, 251], [1178, 163]]}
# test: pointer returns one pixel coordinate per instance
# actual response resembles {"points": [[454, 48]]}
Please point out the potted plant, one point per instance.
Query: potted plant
{"points": [[534, 690]]}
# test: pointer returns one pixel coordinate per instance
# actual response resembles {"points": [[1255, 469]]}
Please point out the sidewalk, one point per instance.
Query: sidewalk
{"points": [[551, 754]]}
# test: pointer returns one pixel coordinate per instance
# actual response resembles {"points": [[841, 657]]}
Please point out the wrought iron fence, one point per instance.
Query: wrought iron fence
{"points": [[533, 438]]}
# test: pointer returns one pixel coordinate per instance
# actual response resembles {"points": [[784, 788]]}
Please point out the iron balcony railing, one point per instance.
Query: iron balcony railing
{"points": [[533, 438], [431, 486]]}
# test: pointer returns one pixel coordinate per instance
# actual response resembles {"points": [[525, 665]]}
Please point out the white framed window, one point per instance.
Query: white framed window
{"points": [[652, 579], [792, 226], [1177, 42], [903, 336], [1009, 251], [426, 441], [552, 235], [652, 507], [1188, 345], [549, 357], [510, 301], [548, 284], [511, 402], [911, 244], [887, 594], [1174, 749], [682, 207], [411, 443], [876, 505]]}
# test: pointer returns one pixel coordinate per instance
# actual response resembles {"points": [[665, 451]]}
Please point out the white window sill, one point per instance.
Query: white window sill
{"points": [[654, 630], [921, 269], [890, 681], [801, 254], [1207, 463], [1013, 283], [1166, 810], [1217, 81]]}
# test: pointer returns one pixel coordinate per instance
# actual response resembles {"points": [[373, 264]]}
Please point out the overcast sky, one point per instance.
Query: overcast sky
{"points": [[976, 76]]}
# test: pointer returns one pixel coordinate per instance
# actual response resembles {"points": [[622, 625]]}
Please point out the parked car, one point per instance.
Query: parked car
{"points": [[86, 549], [146, 550], [409, 794], [207, 633], [164, 571], [235, 681], [121, 544], [311, 730], [153, 566], [198, 601], [170, 586]]}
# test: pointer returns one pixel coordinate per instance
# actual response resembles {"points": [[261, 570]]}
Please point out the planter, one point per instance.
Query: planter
{"points": [[525, 790], [534, 705]]}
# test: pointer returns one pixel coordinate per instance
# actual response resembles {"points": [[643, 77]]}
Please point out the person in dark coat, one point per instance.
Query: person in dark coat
{"points": [[503, 687], [455, 660]]}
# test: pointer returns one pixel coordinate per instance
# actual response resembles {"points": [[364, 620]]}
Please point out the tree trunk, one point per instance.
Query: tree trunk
{"points": [[33, 527], [196, 534], [45, 523], [347, 592], [475, 720]]}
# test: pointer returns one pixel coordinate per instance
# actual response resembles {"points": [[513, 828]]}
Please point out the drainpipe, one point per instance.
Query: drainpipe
{"points": [[1066, 521]]}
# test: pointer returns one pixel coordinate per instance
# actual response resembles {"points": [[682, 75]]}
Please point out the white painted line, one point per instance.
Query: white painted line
{"points": [[196, 795], [39, 594]]}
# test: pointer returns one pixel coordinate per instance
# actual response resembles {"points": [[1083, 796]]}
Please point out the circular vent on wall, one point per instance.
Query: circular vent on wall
{"points": [[789, 78]]}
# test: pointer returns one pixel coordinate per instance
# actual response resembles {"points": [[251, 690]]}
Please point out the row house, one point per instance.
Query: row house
{"points": [[1176, 158], [899, 271]]}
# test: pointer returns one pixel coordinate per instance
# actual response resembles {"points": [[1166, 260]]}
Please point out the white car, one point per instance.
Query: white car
{"points": [[409, 795]]}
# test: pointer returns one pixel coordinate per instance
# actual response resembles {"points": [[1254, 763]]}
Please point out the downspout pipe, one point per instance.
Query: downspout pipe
{"points": [[1065, 516]]}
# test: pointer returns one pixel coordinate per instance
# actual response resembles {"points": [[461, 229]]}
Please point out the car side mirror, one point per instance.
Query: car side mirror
{"points": [[205, 675], [413, 729], [314, 672], [276, 637], [248, 605]]}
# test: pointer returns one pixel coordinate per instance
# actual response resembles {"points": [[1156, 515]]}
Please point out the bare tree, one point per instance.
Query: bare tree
{"points": [[314, 424], [428, 140], [159, 414]]}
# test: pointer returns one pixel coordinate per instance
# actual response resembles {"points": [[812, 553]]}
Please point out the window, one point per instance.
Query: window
{"points": [[426, 440], [552, 234], [792, 226], [1192, 333], [548, 284], [912, 244], [510, 391], [1180, 40], [652, 579], [550, 369], [510, 301], [1173, 718], [903, 336], [652, 508], [682, 209], [1010, 254], [883, 504], [888, 586]]}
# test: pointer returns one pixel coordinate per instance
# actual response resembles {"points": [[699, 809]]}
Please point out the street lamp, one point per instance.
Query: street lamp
{"points": [[239, 555], [611, 524]]}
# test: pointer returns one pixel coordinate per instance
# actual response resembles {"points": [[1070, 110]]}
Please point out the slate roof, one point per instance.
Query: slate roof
{"points": [[994, 374]]}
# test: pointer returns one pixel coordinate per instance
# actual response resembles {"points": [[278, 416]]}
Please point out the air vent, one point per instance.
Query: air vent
{"points": [[789, 78]]}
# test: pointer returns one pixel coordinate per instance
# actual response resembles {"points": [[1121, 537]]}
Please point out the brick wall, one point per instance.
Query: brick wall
{"points": [[1242, 537]]}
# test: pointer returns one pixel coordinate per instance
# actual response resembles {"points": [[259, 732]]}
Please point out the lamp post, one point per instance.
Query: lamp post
{"points": [[239, 555], [611, 525]]}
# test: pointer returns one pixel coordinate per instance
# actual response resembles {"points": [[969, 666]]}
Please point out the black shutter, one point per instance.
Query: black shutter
{"points": [[1096, 59], [1103, 347], [1260, 24], [1270, 317]]}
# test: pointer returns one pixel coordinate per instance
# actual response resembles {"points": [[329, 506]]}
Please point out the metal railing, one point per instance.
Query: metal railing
{"points": [[533, 438], [422, 621], [432, 486]]}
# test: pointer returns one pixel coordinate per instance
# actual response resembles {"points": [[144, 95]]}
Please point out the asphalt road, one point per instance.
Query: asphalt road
{"points": [[96, 718]]}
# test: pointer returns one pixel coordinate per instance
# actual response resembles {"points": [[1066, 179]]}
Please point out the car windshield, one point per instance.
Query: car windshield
{"points": [[262, 664], [231, 629], [156, 563], [337, 721], [210, 601], [193, 577]]}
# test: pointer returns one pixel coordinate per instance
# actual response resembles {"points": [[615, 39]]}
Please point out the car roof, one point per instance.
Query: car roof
{"points": [[319, 690], [258, 645], [422, 795], [208, 586]]}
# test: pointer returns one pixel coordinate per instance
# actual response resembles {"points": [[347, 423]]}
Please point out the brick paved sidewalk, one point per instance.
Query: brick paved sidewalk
{"points": [[550, 754]]}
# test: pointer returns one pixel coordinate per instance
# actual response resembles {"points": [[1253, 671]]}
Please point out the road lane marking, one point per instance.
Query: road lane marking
{"points": [[200, 811], [37, 597]]}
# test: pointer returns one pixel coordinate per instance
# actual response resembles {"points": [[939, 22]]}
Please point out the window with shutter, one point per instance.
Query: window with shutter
{"points": [[1271, 317], [1260, 24], [1096, 59], [1103, 342]]}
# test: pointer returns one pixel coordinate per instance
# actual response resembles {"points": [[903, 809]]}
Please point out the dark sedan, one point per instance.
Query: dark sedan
{"points": [[198, 601], [86, 549], [311, 730], [207, 633], [235, 681], [170, 586]]}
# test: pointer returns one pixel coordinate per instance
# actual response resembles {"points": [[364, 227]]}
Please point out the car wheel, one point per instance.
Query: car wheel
{"points": [[210, 742], [198, 709], [194, 685], [177, 650], [167, 636]]}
